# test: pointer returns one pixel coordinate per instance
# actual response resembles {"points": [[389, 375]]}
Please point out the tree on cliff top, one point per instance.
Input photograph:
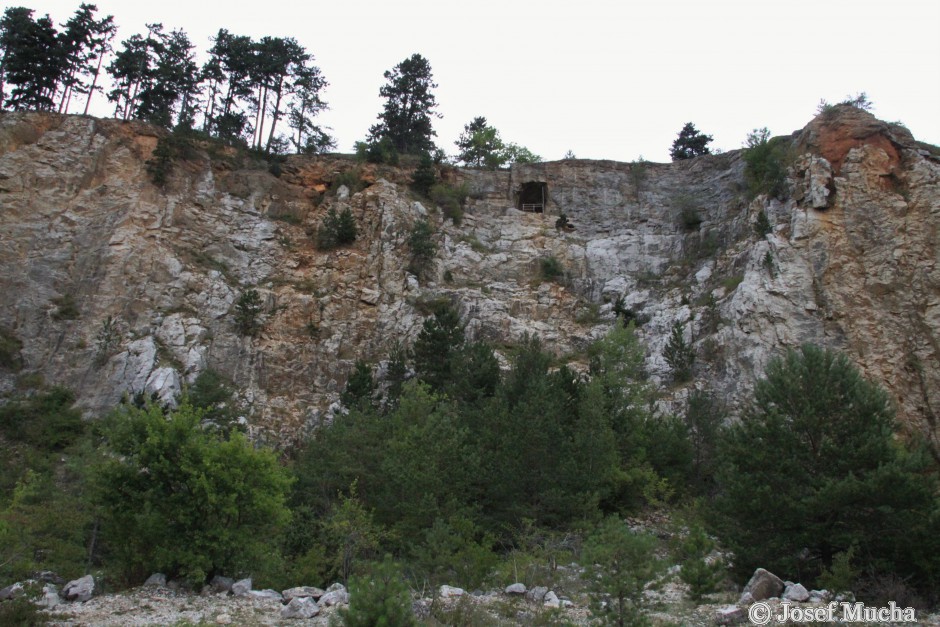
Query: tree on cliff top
{"points": [[409, 103], [690, 143]]}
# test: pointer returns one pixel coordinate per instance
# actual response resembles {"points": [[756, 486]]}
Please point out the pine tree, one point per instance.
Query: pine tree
{"points": [[480, 145], [813, 468], [32, 62], [409, 107], [690, 143], [442, 335], [425, 175]]}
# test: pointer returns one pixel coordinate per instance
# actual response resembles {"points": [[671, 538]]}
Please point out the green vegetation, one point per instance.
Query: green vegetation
{"points": [[474, 476], [859, 101], [425, 175], [351, 179], [181, 500], [405, 121], [702, 576], [690, 143], [66, 308], [423, 248], [846, 482], [248, 309], [336, 229], [679, 354], [480, 146], [619, 563], [10, 347], [450, 199], [766, 162], [762, 225], [381, 598], [550, 269]]}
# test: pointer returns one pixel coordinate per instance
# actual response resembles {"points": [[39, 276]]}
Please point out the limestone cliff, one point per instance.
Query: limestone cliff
{"points": [[112, 284]]}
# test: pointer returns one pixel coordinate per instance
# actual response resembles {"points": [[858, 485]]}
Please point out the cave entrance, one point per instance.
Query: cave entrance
{"points": [[532, 196]]}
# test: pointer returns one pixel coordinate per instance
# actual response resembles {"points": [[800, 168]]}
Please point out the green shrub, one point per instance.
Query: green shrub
{"points": [[247, 313], [550, 268], [766, 161], [182, 500], [66, 308], [691, 219], [679, 354], [46, 421], [731, 283], [762, 225], [381, 151], [352, 179], [170, 147], [46, 525], [422, 246], [10, 347], [619, 563], [841, 576], [336, 229], [425, 175], [701, 576], [380, 598], [846, 480], [106, 340], [22, 612], [450, 200]]}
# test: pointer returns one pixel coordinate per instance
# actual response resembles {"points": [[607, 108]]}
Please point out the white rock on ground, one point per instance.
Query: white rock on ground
{"points": [[300, 607], [80, 589]]}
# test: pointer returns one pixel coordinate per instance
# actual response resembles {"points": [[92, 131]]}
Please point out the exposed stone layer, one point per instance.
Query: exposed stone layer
{"points": [[114, 285]]}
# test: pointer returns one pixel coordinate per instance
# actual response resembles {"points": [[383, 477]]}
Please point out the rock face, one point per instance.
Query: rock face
{"points": [[121, 286]]}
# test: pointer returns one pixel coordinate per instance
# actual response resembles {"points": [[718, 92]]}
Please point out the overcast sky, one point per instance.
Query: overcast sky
{"points": [[605, 79]]}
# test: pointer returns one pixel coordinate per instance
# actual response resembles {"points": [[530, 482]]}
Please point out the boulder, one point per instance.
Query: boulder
{"points": [[265, 594], [11, 592], [339, 596], [220, 584], [156, 580], [795, 592], [536, 594], [819, 596], [516, 589], [301, 592], [242, 587], [80, 589], [449, 592], [335, 586], [763, 585], [50, 597], [300, 607], [551, 599]]}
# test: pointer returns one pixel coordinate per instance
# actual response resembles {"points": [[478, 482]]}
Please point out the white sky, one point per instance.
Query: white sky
{"points": [[605, 79]]}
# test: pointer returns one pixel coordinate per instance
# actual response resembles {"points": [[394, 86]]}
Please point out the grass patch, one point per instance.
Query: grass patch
{"points": [[550, 269], [731, 283], [66, 308], [10, 347]]}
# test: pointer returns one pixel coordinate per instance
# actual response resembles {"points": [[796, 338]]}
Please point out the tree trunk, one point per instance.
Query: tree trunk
{"points": [[94, 80], [275, 115]]}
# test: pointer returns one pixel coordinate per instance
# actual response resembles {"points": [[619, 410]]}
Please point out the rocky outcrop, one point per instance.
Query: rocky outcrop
{"points": [[120, 286]]}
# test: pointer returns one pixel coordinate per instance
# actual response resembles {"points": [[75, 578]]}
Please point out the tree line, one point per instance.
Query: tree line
{"points": [[245, 92]]}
